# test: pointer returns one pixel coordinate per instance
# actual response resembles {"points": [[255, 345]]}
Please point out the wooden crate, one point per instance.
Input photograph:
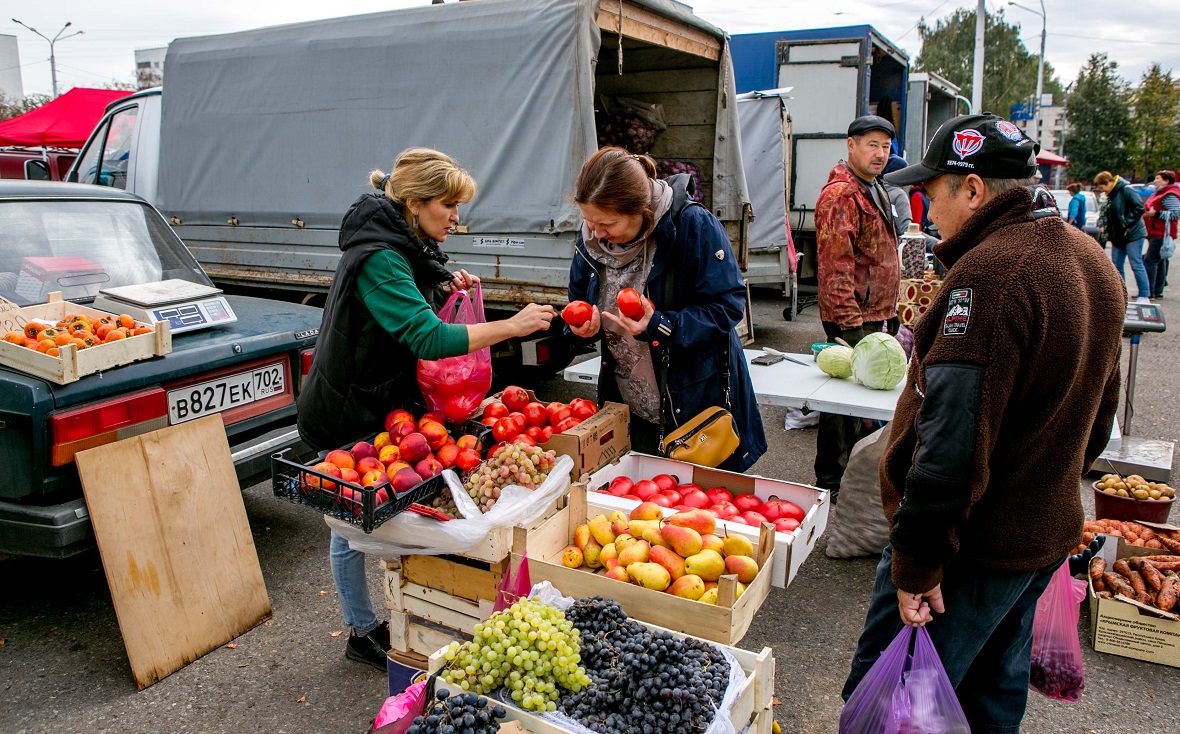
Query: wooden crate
{"points": [[754, 700], [413, 635], [725, 622], [73, 363]]}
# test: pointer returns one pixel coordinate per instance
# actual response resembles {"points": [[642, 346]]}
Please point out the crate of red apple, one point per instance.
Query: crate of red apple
{"points": [[371, 481], [739, 502], [590, 436]]}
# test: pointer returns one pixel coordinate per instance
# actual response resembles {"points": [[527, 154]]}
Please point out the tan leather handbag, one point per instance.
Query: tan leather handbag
{"points": [[706, 439]]}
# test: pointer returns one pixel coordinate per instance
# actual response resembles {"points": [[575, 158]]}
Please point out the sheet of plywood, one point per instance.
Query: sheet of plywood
{"points": [[175, 543]]}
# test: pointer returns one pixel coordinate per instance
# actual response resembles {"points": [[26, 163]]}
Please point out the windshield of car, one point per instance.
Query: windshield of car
{"points": [[80, 247]]}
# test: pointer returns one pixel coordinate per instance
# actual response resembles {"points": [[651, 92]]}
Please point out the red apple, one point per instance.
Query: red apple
{"points": [[747, 502], [786, 525], [694, 498], [717, 495], [666, 482], [645, 488]]}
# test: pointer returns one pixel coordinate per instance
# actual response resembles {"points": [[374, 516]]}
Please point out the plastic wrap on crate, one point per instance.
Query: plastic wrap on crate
{"points": [[410, 534]]}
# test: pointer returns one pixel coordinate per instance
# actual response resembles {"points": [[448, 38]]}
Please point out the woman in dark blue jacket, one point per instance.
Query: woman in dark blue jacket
{"points": [[647, 234]]}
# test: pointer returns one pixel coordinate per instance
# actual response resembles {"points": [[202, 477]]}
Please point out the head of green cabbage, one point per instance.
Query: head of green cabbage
{"points": [[878, 361], [835, 361]]}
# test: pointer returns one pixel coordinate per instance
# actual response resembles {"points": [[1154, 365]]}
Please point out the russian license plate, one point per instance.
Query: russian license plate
{"points": [[231, 391]]}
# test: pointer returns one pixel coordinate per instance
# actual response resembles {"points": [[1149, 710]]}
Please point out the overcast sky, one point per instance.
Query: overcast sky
{"points": [[1134, 33]]}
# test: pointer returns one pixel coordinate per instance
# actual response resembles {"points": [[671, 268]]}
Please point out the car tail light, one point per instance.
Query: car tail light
{"points": [[305, 358], [106, 422]]}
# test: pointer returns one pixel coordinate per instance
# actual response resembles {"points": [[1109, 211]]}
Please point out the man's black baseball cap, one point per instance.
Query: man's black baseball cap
{"points": [[986, 145], [865, 123]]}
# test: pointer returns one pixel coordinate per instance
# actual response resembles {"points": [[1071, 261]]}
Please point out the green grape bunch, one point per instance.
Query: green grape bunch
{"points": [[530, 649]]}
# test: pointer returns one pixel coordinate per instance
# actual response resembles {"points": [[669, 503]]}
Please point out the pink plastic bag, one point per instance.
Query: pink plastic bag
{"points": [[455, 386], [398, 711], [514, 586], [905, 692], [1056, 669]]}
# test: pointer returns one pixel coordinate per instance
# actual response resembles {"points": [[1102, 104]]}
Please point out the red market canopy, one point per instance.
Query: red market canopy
{"points": [[65, 122], [1050, 158]]}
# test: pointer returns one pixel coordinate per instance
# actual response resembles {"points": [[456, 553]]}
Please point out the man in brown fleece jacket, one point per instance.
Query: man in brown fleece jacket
{"points": [[1011, 391]]}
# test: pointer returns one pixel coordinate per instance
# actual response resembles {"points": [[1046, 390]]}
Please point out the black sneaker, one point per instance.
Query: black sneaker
{"points": [[372, 648]]}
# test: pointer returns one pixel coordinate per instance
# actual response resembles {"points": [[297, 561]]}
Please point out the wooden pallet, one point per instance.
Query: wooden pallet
{"points": [[73, 363], [753, 705]]}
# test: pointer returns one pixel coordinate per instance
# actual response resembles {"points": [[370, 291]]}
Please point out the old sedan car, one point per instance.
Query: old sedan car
{"points": [[42, 424]]}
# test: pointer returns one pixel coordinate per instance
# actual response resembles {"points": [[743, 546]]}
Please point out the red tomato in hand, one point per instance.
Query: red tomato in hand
{"points": [[582, 409], [630, 304], [514, 398], [577, 313], [535, 415], [504, 429], [495, 410]]}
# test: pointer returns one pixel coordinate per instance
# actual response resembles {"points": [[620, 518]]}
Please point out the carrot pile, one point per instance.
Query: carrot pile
{"points": [[1150, 580], [1132, 533]]}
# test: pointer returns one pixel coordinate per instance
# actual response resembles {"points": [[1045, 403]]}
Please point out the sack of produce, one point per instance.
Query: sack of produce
{"points": [[905, 692], [667, 168], [1056, 669], [856, 526], [630, 124], [455, 386]]}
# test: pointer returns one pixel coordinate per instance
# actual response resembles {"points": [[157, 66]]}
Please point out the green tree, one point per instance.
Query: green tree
{"points": [[1099, 120], [1155, 126], [1009, 69], [11, 107]]}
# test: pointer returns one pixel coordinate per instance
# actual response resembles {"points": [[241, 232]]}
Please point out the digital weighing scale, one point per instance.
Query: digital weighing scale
{"points": [[1139, 319], [186, 306]]}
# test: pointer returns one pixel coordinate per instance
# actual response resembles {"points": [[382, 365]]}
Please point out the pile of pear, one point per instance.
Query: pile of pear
{"points": [[680, 555]]}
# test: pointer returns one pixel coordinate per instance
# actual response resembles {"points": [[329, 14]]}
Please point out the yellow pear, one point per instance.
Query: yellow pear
{"points": [[618, 522], [688, 587], [685, 541], [582, 536], [571, 557], [647, 511], [709, 541], [649, 575], [637, 552], [743, 567], [709, 597], [737, 545], [623, 540], [591, 553], [654, 538], [636, 527], [609, 556], [601, 530], [709, 565]]}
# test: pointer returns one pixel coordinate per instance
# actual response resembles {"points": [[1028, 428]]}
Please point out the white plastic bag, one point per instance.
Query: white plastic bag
{"points": [[413, 534]]}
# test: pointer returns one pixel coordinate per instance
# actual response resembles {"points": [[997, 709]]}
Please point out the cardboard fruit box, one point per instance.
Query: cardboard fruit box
{"points": [[725, 622], [1128, 628], [73, 363], [791, 549], [599, 439], [755, 698]]}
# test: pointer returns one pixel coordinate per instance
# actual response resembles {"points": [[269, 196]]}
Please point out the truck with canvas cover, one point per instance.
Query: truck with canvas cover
{"points": [[836, 75], [256, 181]]}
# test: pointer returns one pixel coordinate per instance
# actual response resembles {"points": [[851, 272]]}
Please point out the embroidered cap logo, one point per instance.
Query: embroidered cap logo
{"points": [[967, 142], [1008, 130]]}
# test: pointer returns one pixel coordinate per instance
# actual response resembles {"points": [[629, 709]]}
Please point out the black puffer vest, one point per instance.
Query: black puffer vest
{"points": [[360, 372]]}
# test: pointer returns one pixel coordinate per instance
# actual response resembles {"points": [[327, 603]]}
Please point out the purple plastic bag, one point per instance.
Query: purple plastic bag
{"points": [[905, 692], [1056, 667]]}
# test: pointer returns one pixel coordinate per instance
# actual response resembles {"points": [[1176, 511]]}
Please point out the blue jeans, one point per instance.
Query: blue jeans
{"points": [[352, 587], [984, 638], [1133, 251]]}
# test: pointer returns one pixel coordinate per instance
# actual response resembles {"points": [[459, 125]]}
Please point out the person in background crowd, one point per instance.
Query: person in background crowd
{"points": [[1162, 210], [378, 322], [1125, 229], [885, 111], [898, 199], [1077, 206], [859, 272], [647, 234], [954, 476], [920, 208]]}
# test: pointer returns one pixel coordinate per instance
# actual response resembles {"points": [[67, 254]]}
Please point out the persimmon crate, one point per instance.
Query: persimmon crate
{"points": [[725, 622], [754, 700], [73, 363]]}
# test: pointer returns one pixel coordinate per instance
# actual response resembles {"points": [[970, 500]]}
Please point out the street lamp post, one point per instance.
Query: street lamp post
{"points": [[55, 39], [1040, 66]]}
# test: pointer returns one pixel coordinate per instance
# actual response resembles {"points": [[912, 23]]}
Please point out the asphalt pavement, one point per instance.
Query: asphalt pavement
{"points": [[63, 667]]}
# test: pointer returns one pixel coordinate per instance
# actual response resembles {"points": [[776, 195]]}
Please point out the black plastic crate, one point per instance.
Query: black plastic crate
{"points": [[289, 479]]}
